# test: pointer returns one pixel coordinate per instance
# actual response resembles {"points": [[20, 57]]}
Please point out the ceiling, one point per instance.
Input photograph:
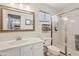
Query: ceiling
{"points": [[63, 6]]}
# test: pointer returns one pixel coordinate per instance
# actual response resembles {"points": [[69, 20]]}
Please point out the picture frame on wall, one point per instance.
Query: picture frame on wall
{"points": [[28, 22]]}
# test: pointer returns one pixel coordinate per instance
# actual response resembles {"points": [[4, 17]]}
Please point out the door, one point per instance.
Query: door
{"points": [[26, 51], [38, 49]]}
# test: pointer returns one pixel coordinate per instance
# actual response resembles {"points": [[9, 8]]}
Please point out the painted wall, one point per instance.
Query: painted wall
{"points": [[38, 32]]}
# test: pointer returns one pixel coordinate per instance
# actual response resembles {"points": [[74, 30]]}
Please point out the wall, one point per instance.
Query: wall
{"points": [[35, 7]]}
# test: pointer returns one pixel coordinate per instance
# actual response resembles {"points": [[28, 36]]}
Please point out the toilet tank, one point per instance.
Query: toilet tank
{"points": [[47, 41]]}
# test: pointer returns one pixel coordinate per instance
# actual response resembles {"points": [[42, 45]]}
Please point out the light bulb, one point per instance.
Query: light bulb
{"points": [[12, 4], [28, 7], [21, 5]]}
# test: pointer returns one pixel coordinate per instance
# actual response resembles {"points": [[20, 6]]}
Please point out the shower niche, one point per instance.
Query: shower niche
{"points": [[77, 42]]}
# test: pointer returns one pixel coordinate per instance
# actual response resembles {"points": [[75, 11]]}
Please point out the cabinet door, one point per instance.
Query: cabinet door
{"points": [[38, 49], [26, 51], [10, 52]]}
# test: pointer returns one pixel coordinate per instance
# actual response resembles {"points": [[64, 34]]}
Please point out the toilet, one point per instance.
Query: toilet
{"points": [[51, 50]]}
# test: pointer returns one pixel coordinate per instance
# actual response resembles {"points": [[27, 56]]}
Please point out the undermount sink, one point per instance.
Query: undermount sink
{"points": [[12, 42], [18, 42]]}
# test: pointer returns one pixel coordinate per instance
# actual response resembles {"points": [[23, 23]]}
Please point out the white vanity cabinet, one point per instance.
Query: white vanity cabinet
{"points": [[10, 52], [26, 50], [32, 50], [30, 47]]}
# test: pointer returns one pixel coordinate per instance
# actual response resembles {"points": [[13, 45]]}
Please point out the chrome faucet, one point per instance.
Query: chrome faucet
{"points": [[18, 38]]}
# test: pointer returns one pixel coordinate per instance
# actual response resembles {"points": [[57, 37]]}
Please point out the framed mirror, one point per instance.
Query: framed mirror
{"points": [[13, 19]]}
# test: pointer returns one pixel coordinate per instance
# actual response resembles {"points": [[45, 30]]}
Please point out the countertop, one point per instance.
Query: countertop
{"points": [[19, 43]]}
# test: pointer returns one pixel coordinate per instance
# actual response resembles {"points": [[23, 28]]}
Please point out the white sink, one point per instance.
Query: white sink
{"points": [[11, 44], [18, 42]]}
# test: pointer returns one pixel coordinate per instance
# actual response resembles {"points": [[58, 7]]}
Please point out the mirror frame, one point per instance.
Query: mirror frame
{"points": [[16, 10]]}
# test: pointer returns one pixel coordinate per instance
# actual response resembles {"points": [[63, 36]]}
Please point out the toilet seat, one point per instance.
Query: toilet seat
{"points": [[53, 50], [50, 50]]}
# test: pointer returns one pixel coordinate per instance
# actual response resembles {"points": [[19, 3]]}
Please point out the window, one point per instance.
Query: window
{"points": [[43, 16]]}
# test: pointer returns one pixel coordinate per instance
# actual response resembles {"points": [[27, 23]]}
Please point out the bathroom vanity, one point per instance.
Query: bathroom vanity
{"points": [[24, 47]]}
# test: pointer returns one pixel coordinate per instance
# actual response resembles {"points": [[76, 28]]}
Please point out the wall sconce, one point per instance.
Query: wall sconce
{"points": [[21, 6], [28, 7], [25, 6], [12, 4], [15, 5]]}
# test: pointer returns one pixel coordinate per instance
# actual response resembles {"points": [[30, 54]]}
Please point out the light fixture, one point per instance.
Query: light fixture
{"points": [[28, 7], [21, 5], [65, 18], [12, 4]]}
